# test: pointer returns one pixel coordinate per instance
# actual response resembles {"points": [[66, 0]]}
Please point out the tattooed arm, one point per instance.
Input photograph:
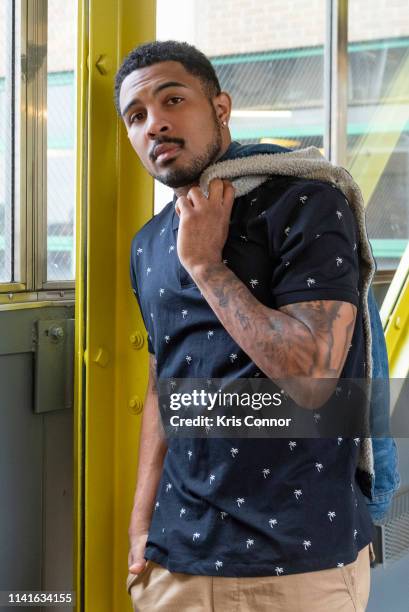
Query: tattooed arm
{"points": [[292, 345]]}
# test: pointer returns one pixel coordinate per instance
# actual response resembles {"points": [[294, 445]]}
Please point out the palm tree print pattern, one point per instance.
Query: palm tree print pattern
{"points": [[264, 476]]}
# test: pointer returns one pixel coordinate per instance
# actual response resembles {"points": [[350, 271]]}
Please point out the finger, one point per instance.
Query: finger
{"points": [[137, 566], [216, 190], [196, 195], [228, 194], [183, 204]]}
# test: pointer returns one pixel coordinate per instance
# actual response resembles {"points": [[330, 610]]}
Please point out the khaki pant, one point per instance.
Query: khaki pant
{"points": [[344, 589]]}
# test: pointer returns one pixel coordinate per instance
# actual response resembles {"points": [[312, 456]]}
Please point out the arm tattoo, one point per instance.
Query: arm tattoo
{"points": [[243, 319], [307, 339], [221, 296], [332, 324]]}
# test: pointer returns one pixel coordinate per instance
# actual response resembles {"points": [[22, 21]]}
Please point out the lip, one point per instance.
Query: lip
{"points": [[166, 151]]}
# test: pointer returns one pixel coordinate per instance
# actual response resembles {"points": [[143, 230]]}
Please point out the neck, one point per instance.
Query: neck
{"points": [[183, 191]]}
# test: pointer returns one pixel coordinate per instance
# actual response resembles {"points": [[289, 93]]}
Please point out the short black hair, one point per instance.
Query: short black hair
{"points": [[194, 61]]}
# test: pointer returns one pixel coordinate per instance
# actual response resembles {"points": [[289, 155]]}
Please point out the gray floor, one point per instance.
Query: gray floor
{"points": [[390, 587]]}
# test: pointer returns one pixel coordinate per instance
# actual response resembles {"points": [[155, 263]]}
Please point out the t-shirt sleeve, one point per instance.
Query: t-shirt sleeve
{"points": [[134, 285], [314, 245]]}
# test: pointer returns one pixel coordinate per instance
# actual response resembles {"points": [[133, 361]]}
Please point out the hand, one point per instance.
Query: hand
{"points": [[136, 560], [204, 224]]}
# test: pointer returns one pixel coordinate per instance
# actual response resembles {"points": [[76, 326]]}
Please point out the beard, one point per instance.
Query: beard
{"points": [[189, 174]]}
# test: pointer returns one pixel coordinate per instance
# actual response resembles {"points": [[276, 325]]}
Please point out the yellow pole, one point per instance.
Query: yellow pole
{"points": [[114, 199]]}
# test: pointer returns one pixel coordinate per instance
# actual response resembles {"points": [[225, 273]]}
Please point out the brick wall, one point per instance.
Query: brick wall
{"points": [[240, 26], [61, 39]]}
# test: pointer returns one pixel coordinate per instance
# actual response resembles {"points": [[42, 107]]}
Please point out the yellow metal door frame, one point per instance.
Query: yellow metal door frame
{"points": [[395, 318], [114, 199]]}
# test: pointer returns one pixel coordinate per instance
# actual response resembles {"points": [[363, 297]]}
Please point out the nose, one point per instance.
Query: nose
{"points": [[157, 124]]}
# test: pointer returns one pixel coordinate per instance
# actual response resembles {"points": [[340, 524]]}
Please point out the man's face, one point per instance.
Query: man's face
{"points": [[171, 123]]}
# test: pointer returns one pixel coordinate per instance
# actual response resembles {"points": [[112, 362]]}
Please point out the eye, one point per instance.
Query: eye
{"points": [[175, 100], [136, 117]]}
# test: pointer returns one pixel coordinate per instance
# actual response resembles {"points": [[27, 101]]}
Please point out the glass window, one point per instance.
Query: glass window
{"points": [[37, 144], [378, 121], [61, 60], [9, 141], [268, 57]]}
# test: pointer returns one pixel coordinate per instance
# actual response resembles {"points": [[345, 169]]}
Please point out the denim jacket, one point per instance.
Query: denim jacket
{"points": [[387, 479], [380, 481]]}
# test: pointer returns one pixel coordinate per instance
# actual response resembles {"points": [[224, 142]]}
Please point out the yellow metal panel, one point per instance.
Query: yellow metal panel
{"points": [[134, 208], [395, 319], [395, 288], [397, 335], [115, 198], [79, 376]]}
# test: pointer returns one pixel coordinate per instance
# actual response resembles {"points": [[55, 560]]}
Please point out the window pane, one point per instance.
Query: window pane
{"points": [[267, 55], [9, 142], [378, 121], [61, 140]]}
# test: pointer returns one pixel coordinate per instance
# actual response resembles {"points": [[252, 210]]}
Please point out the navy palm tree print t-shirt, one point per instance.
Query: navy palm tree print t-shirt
{"points": [[254, 507]]}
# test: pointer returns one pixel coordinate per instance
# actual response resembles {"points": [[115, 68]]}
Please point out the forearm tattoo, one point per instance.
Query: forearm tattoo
{"points": [[307, 339]]}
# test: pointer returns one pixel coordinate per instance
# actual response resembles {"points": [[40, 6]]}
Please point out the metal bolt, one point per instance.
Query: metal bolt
{"points": [[135, 405], [56, 333], [102, 357], [103, 64], [136, 339]]}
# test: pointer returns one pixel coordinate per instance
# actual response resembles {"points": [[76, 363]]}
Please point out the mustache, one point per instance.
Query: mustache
{"points": [[163, 140]]}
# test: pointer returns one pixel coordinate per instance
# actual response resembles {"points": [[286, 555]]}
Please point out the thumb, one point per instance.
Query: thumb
{"points": [[228, 195], [137, 566], [182, 204]]}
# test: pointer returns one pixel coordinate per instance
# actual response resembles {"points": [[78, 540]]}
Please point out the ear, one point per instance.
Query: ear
{"points": [[222, 104]]}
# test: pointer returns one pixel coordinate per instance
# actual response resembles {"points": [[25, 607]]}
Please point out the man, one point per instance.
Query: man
{"points": [[265, 284]]}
